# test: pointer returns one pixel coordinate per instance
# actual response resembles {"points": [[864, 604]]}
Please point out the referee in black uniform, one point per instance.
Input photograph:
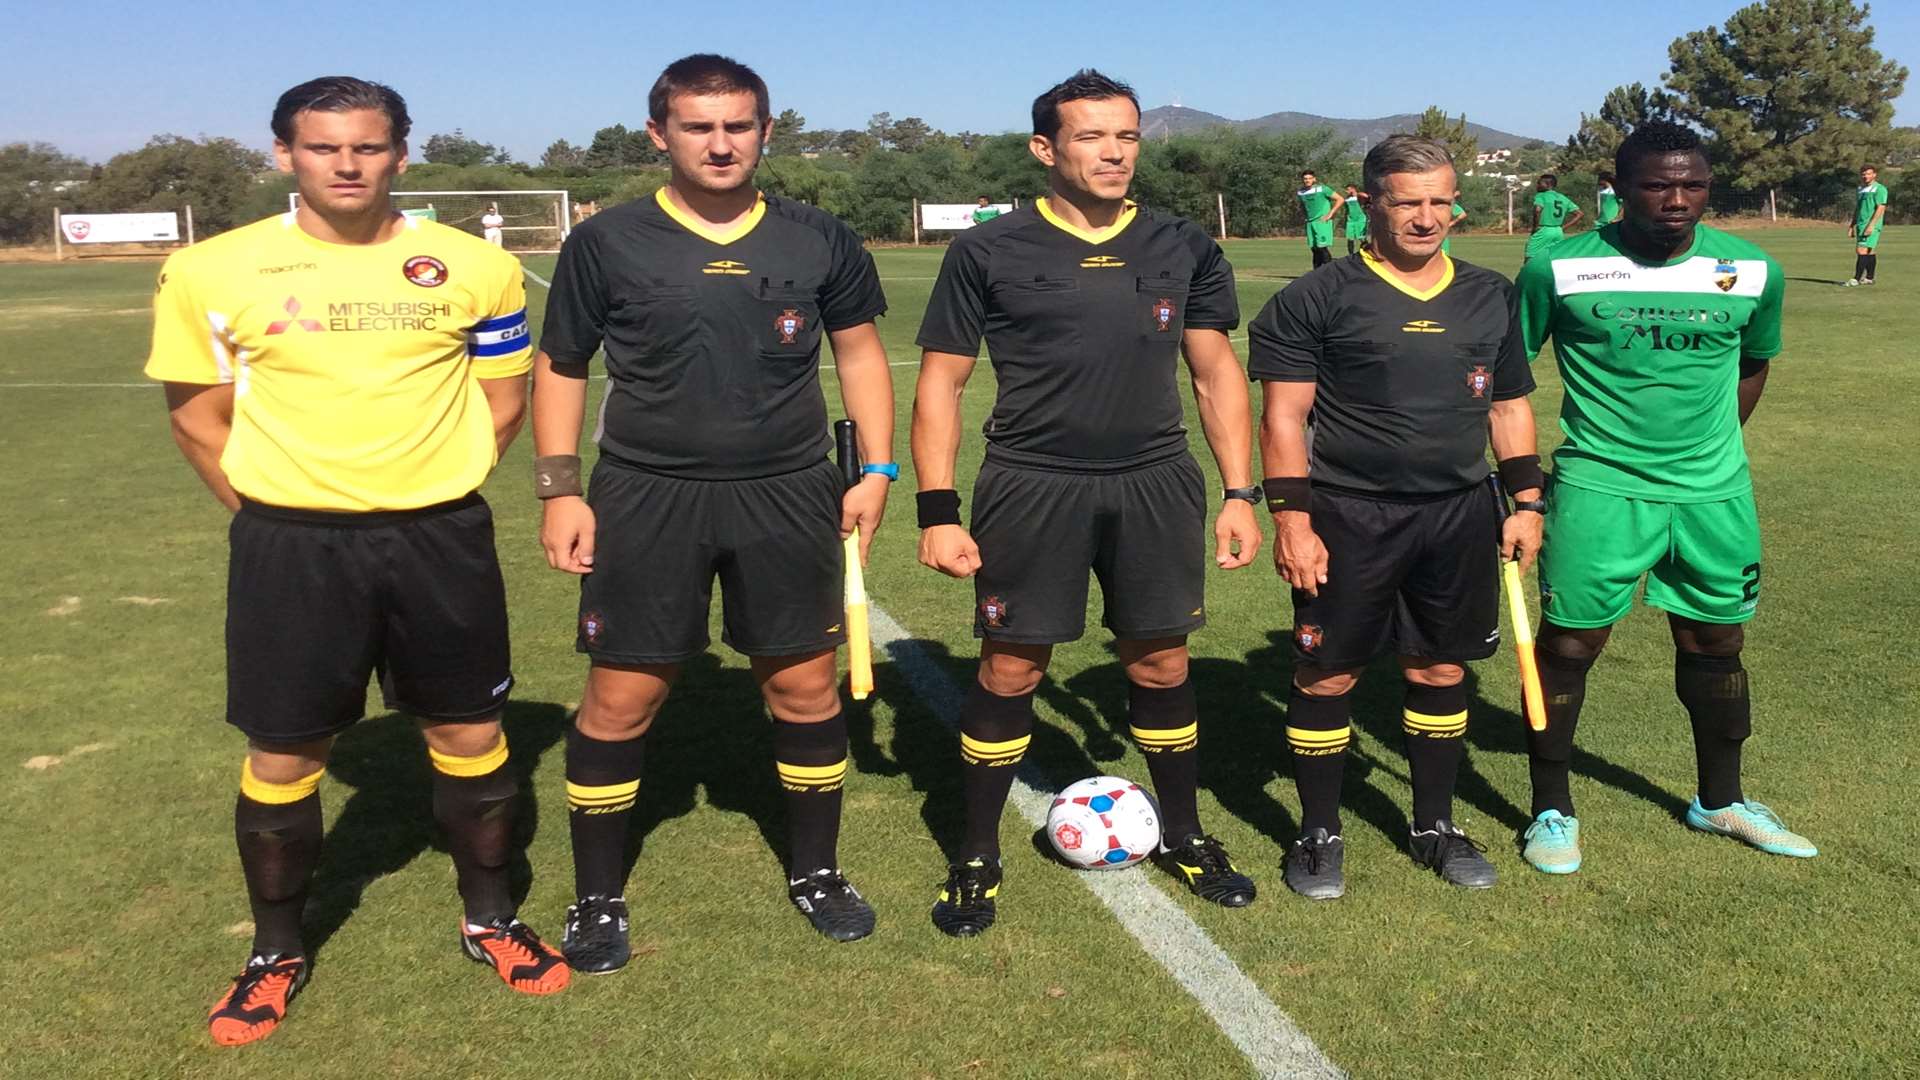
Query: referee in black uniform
{"points": [[1400, 360], [1085, 302], [711, 301]]}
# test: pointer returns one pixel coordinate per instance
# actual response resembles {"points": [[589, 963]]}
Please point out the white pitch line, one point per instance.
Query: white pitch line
{"points": [[542, 282], [1273, 1044]]}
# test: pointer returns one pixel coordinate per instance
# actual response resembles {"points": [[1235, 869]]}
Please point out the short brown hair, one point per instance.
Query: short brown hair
{"points": [[707, 73], [340, 93]]}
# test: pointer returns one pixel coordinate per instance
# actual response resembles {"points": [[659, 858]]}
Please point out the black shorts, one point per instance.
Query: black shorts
{"points": [[1141, 532], [319, 602], [1422, 579], [659, 541]]}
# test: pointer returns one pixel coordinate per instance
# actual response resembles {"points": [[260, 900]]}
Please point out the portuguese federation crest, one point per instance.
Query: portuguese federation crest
{"points": [[1309, 637], [789, 323], [1163, 313], [1478, 380], [993, 612], [1725, 274]]}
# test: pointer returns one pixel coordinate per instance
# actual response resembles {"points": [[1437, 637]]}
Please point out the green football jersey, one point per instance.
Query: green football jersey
{"points": [[1356, 216], [1650, 358], [985, 214], [1316, 201], [1609, 207], [1554, 208], [1865, 202]]}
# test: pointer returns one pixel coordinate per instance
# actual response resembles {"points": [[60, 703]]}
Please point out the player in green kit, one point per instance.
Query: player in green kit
{"points": [[1318, 202], [1454, 217], [1651, 319], [1869, 211], [1609, 202], [1356, 219], [985, 212], [1552, 213]]}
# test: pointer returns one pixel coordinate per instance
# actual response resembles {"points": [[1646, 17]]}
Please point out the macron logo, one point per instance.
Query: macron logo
{"points": [[1610, 275]]}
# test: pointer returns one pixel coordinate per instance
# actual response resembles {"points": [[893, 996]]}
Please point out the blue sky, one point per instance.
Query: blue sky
{"points": [[522, 74]]}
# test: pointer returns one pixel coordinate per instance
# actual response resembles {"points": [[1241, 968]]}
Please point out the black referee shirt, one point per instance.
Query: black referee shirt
{"points": [[1083, 331], [713, 349], [1403, 380]]}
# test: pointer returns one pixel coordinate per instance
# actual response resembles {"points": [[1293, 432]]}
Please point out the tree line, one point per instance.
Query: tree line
{"points": [[1791, 94]]}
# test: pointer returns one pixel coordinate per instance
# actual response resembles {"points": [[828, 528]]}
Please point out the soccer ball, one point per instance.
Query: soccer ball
{"points": [[1103, 823]]}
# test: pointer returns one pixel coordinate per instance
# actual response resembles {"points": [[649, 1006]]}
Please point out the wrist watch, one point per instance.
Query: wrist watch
{"points": [[888, 469], [1253, 493], [1537, 506]]}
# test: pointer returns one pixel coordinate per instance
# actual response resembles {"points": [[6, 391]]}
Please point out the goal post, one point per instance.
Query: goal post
{"points": [[534, 222]]}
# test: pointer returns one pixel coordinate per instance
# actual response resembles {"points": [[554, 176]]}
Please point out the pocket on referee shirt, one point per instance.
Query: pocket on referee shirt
{"points": [[653, 319], [1162, 304]]}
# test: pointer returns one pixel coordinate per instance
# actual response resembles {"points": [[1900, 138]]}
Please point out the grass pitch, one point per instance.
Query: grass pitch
{"points": [[1669, 953]]}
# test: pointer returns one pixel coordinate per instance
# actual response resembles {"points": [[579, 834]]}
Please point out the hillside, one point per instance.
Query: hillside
{"points": [[1174, 119]]}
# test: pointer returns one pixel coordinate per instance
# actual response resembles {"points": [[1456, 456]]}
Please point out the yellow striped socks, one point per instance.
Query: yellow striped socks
{"points": [[602, 798], [812, 777], [1435, 719], [1163, 721], [469, 767], [262, 791], [1434, 727], [811, 761], [603, 785], [1319, 730], [993, 754]]}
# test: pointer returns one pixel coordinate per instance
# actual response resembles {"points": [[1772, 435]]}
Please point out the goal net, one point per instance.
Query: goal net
{"points": [[532, 222]]}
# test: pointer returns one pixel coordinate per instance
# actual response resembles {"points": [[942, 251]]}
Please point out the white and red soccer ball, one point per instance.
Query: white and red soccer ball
{"points": [[1103, 823]]}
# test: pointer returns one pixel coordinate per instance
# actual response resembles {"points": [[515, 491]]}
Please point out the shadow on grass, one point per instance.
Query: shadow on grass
{"points": [[1817, 281], [388, 821]]}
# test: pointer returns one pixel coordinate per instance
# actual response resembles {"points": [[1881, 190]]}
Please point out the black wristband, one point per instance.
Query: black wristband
{"points": [[941, 507], [1251, 493], [555, 475], [1288, 493], [1521, 473]]}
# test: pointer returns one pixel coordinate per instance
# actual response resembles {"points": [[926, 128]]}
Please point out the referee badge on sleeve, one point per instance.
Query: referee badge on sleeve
{"points": [[1163, 313]]}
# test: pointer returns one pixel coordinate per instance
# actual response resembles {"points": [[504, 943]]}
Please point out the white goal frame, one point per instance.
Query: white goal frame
{"points": [[563, 208]]}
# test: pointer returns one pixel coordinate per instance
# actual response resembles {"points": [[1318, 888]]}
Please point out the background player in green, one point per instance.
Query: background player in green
{"points": [[1552, 212], [1318, 203], [1455, 216], [1085, 302], [1407, 362], [1356, 205], [1607, 202], [711, 302], [1664, 329], [985, 212], [1869, 211]]}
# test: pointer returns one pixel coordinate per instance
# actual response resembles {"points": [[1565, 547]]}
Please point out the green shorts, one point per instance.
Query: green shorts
{"points": [[1701, 560], [1543, 238], [1319, 234], [1869, 241]]}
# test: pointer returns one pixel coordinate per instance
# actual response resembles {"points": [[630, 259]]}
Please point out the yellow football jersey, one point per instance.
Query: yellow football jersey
{"points": [[354, 367]]}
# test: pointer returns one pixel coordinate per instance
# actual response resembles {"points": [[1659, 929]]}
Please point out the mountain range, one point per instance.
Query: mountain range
{"points": [[1175, 119]]}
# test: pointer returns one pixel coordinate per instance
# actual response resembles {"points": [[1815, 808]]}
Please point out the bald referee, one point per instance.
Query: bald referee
{"points": [[344, 378], [711, 302], [1399, 360], [1085, 302]]}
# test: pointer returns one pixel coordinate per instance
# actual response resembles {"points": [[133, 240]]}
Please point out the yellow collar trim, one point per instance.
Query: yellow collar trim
{"points": [[1387, 276], [706, 231], [1091, 236]]}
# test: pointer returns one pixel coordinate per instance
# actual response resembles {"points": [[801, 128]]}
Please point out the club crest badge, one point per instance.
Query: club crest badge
{"points": [[993, 613], [592, 625], [1478, 380], [1725, 274], [1309, 637], [425, 271], [789, 323], [1163, 313]]}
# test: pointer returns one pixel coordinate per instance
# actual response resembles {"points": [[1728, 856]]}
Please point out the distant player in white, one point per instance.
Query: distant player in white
{"points": [[490, 225]]}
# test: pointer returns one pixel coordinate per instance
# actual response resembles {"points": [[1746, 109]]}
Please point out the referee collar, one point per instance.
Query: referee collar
{"points": [[1091, 236], [1386, 275], [705, 231]]}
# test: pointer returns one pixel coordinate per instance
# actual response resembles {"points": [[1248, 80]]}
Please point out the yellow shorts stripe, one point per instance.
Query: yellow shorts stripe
{"points": [[262, 791], [478, 765], [601, 794], [1439, 725], [981, 749], [1164, 736], [812, 774], [1316, 737]]}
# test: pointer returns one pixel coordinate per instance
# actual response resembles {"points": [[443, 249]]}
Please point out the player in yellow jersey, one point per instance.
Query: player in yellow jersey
{"points": [[344, 378]]}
